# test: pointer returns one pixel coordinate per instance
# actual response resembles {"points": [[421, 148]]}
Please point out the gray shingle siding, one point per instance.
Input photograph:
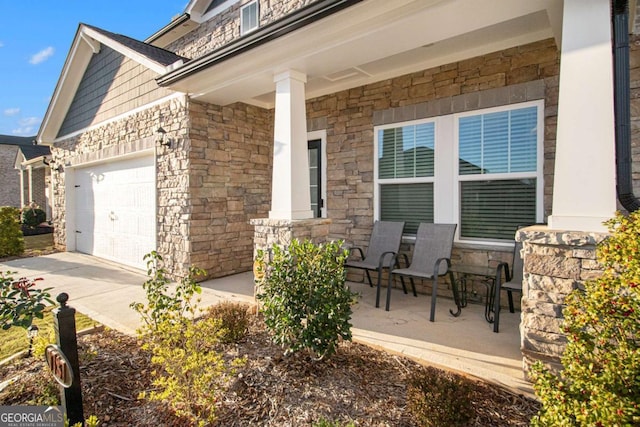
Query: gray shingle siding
{"points": [[112, 84]]}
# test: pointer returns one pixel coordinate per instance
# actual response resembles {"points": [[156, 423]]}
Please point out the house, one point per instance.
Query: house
{"points": [[247, 122], [31, 183], [32, 163]]}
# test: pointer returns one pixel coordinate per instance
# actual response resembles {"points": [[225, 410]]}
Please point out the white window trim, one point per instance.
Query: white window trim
{"points": [[322, 136], [446, 189], [244, 31], [421, 180]]}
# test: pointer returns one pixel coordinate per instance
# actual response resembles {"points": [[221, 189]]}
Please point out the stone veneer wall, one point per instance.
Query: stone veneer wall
{"points": [[9, 177], [555, 263], [229, 183], [512, 75], [123, 137], [224, 27], [634, 59], [269, 232]]}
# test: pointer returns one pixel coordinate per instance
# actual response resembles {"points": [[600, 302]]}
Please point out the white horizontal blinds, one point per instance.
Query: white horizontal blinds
{"points": [[405, 174], [502, 145]]}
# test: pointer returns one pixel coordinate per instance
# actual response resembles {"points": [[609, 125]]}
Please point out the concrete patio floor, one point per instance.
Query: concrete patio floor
{"points": [[466, 344]]}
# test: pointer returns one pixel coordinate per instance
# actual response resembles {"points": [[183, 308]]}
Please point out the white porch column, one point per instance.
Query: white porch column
{"points": [[30, 183], [22, 201], [290, 194], [584, 179]]}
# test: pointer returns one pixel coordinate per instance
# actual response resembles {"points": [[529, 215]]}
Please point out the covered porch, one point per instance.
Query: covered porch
{"points": [[351, 72]]}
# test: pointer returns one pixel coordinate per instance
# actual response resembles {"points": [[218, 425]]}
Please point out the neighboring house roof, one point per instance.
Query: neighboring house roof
{"points": [[33, 151], [88, 41], [16, 140]]}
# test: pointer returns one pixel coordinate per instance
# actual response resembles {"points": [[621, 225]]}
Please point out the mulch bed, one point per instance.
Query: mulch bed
{"points": [[358, 384]]}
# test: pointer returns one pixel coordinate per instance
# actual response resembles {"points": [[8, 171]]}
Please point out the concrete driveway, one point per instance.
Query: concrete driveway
{"points": [[466, 344]]}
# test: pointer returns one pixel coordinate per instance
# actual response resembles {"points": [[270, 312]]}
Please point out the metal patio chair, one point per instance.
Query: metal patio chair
{"points": [[431, 259], [512, 284], [381, 252]]}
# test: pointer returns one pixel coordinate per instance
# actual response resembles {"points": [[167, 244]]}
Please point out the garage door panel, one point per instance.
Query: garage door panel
{"points": [[115, 210]]}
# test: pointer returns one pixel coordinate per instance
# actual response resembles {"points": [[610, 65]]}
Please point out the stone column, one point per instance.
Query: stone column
{"points": [[555, 263], [584, 178]]}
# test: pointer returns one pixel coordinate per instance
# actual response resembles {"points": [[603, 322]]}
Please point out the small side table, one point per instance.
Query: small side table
{"points": [[486, 275]]}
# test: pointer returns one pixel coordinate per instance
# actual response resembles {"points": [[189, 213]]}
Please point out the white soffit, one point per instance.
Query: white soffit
{"points": [[372, 41]]}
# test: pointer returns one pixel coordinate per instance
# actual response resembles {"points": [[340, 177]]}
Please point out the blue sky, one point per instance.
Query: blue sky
{"points": [[35, 38]]}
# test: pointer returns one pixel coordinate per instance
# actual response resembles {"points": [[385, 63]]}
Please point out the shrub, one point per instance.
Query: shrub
{"points": [[190, 373], [234, 320], [11, 239], [162, 305], [32, 215], [21, 301], [436, 398], [600, 381], [305, 301]]}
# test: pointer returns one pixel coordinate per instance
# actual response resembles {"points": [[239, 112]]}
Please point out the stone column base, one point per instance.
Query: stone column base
{"points": [[555, 263]]}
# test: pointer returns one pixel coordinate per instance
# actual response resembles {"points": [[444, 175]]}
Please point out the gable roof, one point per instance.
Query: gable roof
{"points": [[16, 140], [33, 151], [88, 41]]}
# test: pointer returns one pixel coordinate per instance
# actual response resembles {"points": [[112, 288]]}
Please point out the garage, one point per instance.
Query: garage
{"points": [[115, 210]]}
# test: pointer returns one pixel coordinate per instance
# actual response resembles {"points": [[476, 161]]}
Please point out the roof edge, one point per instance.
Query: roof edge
{"points": [[299, 19]]}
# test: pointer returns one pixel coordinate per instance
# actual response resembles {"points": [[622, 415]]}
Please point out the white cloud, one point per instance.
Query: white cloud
{"points": [[28, 126], [29, 121], [11, 112], [42, 56], [1, 44]]}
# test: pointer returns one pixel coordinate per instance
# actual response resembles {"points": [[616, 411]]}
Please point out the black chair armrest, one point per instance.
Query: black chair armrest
{"points": [[436, 267], [359, 251], [384, 256]]}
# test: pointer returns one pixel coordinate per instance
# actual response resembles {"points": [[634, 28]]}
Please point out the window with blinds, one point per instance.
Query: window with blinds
{"points": [[479, 169], [405, 174], [497, 166]]}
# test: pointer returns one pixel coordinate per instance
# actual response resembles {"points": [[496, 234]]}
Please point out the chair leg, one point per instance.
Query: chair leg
{"points": [[496, 309], [434, 292], [369, 278], [378, 289], [389, 291], [413, 286], [404, 286], [510, 296]]}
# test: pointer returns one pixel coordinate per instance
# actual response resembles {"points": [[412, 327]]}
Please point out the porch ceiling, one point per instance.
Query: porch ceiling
{"points": [[374, 40]]}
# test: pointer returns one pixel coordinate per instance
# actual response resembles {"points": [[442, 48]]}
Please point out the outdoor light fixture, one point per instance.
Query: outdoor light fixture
{"points": [[161, 137], [32, 332], [53, 165]]}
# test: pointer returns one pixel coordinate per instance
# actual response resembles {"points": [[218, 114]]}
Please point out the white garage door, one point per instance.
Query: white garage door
{"points": [[115, 210]]}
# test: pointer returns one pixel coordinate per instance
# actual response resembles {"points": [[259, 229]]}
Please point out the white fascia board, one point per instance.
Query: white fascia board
{"points": [[18, 163], [36, 162], [141, 59]]}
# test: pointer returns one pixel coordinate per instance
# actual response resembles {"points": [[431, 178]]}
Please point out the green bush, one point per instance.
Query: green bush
{"points": [[164, 305], [190, 374], [436, 398], [11, 239], [234, 320], [305, 301], [32, 216], [600, 381]]}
